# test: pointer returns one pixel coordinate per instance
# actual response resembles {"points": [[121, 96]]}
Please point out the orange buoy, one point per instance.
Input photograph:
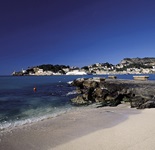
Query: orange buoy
{"points": [[34, 89]]}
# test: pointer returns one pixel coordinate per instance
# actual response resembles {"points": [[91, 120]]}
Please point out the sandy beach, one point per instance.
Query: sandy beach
{"points": [[137, 132], [106, 128]]}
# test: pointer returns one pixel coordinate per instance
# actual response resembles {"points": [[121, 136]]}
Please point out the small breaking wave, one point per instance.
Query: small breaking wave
{"points": [[71, 93], [8, 126], [70, 82]]}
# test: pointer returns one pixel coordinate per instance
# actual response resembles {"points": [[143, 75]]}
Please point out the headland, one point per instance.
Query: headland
{"points": [[126, 66]]}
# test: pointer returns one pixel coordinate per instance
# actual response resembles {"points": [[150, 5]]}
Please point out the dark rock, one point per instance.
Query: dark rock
{"points": [[85, 96], [79, 100], [78, 83], [113, 92], [90, 84], [90, 95], [137, 101], [113, 101], [112, 87], [148, 104], [98, 92], [78, 90], [99, 100]]}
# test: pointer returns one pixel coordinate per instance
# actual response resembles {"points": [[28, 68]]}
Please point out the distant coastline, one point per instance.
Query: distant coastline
{"points": [[126, 66]]}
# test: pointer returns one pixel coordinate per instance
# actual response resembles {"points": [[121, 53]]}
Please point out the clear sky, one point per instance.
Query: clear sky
{"points": [[74, 32]]}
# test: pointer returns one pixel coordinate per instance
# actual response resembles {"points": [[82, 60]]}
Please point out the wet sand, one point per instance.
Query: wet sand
{"points": [[84, 128]]}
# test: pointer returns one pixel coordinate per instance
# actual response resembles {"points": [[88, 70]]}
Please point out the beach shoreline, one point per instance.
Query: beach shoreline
{"points": [[68, 127], [137, 132]]}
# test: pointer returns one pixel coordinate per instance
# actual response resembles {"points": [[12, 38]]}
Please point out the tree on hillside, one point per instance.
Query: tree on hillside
{"points": [[85, 68]]}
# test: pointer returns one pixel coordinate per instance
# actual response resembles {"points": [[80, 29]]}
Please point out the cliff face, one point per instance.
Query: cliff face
{"points": [[150, 61]]}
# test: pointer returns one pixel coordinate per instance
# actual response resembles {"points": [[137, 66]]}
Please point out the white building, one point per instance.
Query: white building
{"points": [[76, 72]]}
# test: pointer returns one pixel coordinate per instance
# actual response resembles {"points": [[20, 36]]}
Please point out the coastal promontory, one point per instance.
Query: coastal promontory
{"points": [[126, 66]]}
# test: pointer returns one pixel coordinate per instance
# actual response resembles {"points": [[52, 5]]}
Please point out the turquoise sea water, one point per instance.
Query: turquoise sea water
{"points": [[19, 104]]}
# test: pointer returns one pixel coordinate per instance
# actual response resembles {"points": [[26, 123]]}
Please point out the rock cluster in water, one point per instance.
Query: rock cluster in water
{"points": [[111, 92]]}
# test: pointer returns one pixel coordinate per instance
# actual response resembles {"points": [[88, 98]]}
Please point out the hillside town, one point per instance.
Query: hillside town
{"points": [[126, 66]]}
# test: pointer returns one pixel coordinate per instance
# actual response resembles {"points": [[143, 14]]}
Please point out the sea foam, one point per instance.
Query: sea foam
{"points": [[8, 126]]}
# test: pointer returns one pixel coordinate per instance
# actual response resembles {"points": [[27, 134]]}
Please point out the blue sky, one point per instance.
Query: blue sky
{"points": [[74, 32]]}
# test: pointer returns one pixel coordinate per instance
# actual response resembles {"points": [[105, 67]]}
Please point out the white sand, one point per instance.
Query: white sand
{"points": [[117, 128], [135, 133]]}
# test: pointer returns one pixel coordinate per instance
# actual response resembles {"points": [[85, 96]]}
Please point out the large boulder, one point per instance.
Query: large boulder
{"points": [[78, 82], [98, 92], [79, 100], [90, 84]]}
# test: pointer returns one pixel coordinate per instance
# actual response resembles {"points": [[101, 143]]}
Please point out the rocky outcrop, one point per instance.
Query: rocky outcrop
{"points": [[110, 92], [143, 61]]}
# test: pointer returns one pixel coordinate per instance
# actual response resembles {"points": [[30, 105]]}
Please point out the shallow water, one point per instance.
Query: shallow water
{"points": [[19, 104]]}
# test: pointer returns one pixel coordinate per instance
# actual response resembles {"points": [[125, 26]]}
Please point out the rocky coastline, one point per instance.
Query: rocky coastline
{"points": [[126, 66], [112, 92]]}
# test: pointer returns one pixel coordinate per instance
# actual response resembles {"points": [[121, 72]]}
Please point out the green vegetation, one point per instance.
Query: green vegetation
{"points": [[121, 69], [53, 68], [85, 68], [134, 65], [108, 65], [127, 64], [138, 65], [94, 65]]}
